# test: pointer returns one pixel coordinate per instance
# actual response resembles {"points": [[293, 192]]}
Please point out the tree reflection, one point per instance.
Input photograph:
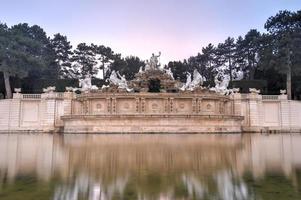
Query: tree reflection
{"points": [[151, 166]]}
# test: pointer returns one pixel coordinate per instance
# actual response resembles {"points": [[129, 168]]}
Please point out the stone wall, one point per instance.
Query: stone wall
{"points": [[33, 112], [264, 113], [152, 113], [152, 103], [43, 112]]}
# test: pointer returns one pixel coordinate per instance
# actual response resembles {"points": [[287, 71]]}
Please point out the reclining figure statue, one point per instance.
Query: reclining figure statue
{"points": [[120, 81], [86, 84], [197, 81], [221, 86]]}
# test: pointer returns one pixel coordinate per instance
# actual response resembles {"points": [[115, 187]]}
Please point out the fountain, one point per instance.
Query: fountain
{"points": [[153, 102]]}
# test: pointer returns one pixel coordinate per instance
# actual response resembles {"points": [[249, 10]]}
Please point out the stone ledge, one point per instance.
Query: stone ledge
{"points": [[67, 117]]}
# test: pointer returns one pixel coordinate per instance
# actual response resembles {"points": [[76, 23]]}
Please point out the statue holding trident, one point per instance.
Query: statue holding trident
{"points": [[154, 61]]}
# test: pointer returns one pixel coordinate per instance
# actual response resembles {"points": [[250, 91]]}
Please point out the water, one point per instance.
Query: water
{"points": [[105, 167]]}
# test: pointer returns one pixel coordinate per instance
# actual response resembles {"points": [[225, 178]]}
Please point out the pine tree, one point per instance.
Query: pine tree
{"points": [[84, 59], [22, 49], [226, 57], [285, 29], [63, 53]]}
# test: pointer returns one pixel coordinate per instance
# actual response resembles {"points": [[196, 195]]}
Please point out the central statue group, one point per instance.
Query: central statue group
{"points": [[152, 70]]}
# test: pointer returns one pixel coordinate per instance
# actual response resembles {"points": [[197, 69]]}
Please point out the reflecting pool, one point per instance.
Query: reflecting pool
{"points": [[111, 167]]}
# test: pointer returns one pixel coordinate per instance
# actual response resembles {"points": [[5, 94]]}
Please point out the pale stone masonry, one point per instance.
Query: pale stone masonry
{"points": [[146, 112]]}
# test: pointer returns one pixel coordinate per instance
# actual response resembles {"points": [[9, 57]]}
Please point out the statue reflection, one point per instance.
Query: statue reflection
{"points": [[148, 166]]}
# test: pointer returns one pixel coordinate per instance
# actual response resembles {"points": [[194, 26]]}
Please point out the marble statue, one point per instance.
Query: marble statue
{"points": [[17, 90], [120, 81], [86, 84], [192, 83], [196, 81], [140, 70], [104, 87], [154, 61], [235, 90], [254, 91], [49, 89], [221, 86], [114, 78], [69, 89], [188, 82], [282, 92], [169, 72], [147, 65]]}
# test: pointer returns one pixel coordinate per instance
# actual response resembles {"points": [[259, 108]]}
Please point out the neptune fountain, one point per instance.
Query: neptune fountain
{"points": [[153, 102]]}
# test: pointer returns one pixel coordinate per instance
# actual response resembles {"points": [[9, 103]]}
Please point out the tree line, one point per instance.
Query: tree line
{"points": [[27, 51], [271, 55]]}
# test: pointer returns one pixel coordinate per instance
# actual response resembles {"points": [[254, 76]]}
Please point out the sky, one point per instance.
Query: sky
{"points": [[177, 28]]}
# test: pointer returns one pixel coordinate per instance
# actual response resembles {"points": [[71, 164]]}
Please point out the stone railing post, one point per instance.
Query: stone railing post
{"points": [[285, 111], [68, 96], [14, 110], [48, 108], [236, 104], [255, 111]]}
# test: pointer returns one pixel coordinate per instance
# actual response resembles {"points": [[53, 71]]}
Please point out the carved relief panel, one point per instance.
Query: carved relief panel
{"points": [[183, 106], [154, 106], [99, 106], [208, 107], [126, 106]]}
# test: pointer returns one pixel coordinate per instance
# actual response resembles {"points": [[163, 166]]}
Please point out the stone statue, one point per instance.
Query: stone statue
{"points": [[17, 90], [154, 61], [169, 72], [141, 70], [191, 84], [114, 78], [254, 91], [235, 90], [282, 92], [120, 81], [147, 65], [69, 89], [49, 89], [86, 84], [221, 86], [188, 82], [197, 80]]}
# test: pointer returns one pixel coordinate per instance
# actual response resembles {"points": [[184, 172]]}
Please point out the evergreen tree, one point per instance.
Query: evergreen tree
{"points": [[105, 56], [22, 49], [84, 59], [226, 57], [63, 53], [285, 29], [179, 69], [127, 66], [248, 53]]}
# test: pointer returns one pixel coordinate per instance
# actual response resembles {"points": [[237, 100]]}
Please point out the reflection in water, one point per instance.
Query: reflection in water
{"points": [[145, 167]]}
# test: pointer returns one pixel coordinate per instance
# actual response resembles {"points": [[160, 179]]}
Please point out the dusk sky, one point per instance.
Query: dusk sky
{"points": [[178, 28]]}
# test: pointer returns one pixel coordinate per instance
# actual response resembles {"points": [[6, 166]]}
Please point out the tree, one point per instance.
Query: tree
{"points": [[118, 64], [179, 69], [285, 28], [127, 66], [226, 57], [63, 53], [105, 56], [208, 58], [22, 49], [247, 53], [84, 59], [133, 64]]}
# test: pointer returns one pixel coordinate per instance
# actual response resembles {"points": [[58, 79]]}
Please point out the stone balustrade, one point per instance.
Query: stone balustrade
{"points": [[50, 111]]}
